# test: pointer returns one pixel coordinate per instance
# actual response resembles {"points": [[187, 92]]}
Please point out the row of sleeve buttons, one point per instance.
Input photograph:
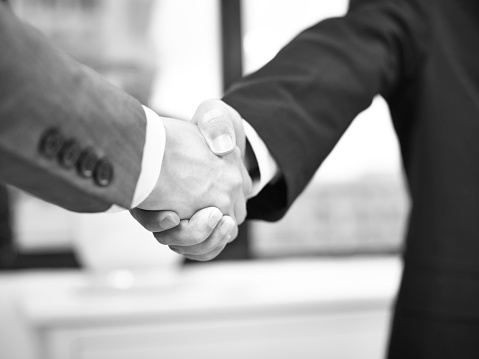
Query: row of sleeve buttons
{"points": [[70, 154]]}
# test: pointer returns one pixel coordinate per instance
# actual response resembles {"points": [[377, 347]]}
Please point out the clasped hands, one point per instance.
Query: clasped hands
{"points": [[200, 197]]}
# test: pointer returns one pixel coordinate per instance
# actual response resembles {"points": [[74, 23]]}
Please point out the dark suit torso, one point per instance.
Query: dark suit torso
{"points": [[423, 57]]}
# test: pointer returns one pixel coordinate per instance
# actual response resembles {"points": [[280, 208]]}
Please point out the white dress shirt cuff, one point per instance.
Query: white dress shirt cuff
{"points": [[151, 162], [268, 168]]}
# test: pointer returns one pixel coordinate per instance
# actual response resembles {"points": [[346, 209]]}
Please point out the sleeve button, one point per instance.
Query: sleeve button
{"points": [[51, 143], [70, 154], [103, 173], [87, 163]]}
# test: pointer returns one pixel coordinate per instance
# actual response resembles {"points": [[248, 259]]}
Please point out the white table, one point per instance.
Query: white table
{"points": [[297, 308]]}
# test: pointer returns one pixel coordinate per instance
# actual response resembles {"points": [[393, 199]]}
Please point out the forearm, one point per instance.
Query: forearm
{"points": [[302, 102], [44, 89]]}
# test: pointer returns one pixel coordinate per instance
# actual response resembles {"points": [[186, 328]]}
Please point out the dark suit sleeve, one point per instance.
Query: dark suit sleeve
{"points": [[305, 98], [43, 89]]}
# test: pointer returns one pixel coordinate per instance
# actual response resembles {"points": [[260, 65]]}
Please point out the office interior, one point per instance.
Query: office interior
{"points": [[318, 284]]}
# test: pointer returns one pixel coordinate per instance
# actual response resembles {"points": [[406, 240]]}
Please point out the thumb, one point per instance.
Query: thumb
{"points": [[155, 221], [216, 126]]}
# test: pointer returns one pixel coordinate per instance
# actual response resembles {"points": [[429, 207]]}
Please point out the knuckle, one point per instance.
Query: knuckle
{"points": [[224, 203], [215, 126], [237, 153], [212, 244], [235, 179], [241, 217], [195, 237], [216, 120], [238, 180], [206, 249]]}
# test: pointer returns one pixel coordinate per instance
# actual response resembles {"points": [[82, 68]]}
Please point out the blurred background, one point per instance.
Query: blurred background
{"points": [[171, 55]]}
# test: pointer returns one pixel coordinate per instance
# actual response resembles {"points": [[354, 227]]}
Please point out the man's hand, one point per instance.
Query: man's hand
{"points": [[207, 232], [192, 177], [200, 238]]}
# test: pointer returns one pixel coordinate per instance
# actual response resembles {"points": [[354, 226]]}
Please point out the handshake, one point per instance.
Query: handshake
{"points": [[200, 196]]}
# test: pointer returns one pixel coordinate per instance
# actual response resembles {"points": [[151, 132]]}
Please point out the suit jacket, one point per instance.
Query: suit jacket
{"points": [[66, 135], [422, 56]]}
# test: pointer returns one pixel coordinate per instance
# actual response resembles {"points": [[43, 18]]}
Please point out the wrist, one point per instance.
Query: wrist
{"points": [[153, 152]]}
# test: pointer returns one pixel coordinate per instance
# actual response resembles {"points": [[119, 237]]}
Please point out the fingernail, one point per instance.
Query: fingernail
{"points": [[214, 218], [223, 143], [227, 227], [228, 238], [169, 221]]}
